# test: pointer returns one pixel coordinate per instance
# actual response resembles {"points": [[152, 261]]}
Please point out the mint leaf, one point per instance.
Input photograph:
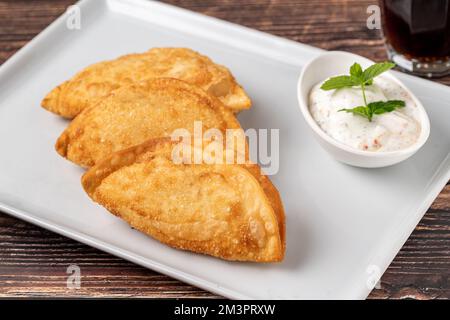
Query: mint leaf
{"points": [[377, 107], [357, 76], [360, 111], [361, 78], [356, 71], [380, 107], [376, 69], [339, 82]]}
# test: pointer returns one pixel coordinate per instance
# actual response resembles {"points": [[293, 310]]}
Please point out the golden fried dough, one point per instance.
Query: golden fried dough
{"points": [[164, 147], [99, 80], [132, 114], [274, 198], [224, 210]]}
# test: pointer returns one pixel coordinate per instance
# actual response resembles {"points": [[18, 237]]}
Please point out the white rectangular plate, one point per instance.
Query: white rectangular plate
{"points": [[344, 224]]}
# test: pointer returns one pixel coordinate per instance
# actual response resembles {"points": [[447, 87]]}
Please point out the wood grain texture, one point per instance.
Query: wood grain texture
{"points": [[33, 261]]}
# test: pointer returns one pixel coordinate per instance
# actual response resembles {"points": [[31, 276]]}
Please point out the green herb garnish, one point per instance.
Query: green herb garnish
{"points": [[361, 78], [377, 107]]}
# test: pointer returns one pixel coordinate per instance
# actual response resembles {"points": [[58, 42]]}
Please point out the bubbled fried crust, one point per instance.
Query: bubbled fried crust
{"points": [[253, 229], [98, 80], [135, 113]]}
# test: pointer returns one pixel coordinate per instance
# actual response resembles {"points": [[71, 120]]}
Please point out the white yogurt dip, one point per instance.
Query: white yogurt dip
{"points": [[390, 131]]}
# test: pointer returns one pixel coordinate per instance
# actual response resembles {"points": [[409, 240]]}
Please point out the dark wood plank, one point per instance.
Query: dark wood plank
{"points": [[33, 261]]}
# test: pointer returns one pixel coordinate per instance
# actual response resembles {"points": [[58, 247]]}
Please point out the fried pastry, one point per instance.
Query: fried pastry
{"points": [[97, 81], [224, 210], [135, 113]]}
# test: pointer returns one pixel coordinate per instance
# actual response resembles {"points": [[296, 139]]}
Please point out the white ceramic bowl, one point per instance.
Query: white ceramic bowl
{"points": [[335, 63]]}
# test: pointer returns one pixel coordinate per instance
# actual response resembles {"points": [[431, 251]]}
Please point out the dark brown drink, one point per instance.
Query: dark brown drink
{"points": [[418, 34]]}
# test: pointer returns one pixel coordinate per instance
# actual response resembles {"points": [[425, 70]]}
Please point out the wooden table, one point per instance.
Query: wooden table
{"points": [[33, 261]]}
